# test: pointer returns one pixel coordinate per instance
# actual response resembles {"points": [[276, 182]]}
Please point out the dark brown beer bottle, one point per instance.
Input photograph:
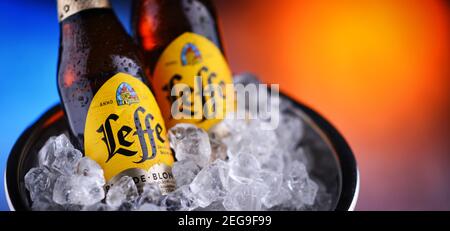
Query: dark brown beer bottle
{"points": [[182, 44], [113, 115]]}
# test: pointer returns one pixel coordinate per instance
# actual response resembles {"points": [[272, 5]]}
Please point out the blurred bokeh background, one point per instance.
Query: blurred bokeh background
{"points": [[378, 70]]}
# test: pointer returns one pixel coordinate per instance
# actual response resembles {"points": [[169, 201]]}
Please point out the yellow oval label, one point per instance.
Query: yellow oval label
{"points": [[125, 130], [192, 62]]}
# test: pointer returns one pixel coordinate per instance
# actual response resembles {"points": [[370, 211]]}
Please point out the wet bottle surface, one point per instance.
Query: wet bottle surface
{"points": [[113, 116], [181, 40], [94, 46], [156, 23]]}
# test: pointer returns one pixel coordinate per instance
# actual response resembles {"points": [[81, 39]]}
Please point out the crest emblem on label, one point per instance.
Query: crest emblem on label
{"points": [[190, 55], [126, 95]]}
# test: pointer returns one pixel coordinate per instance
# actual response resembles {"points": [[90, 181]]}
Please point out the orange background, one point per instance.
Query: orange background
{"points": [[378, 70]]}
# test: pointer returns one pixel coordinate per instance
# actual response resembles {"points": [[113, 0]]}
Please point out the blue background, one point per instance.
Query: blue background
{"points": [[29, 43]]}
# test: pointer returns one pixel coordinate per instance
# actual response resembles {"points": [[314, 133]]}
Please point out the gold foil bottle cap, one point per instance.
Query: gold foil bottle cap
{"points": [[67, 8]]}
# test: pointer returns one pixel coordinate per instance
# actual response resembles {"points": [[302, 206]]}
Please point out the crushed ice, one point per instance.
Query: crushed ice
{"points": [[236, 166]]}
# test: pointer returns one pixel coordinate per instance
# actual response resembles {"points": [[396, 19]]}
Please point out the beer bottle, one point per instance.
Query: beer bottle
{"points": [[113, 115], [182, 45]]}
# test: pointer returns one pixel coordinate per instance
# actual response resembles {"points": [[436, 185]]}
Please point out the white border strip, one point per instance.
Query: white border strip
{"points": [[356, 195], [8, 200]]}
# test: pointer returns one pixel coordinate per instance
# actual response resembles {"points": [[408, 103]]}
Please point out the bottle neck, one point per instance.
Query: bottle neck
{"points": [[95, 43], [93, 30], [67, 8]]}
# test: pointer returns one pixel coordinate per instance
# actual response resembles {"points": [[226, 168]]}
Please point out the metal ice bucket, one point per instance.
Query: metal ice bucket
{"points": [[336, 167]]}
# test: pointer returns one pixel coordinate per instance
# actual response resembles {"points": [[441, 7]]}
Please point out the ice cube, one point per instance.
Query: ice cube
{"points": [[210, 183], [272, 179], [261, 140], [296, 174], [190, 142], [244, 167], [39, 182], [77, 190], [276, 194], [228, 132], [184, 171], [274, 162], [59, 155], [64, 181], [122, 191], [89, 168], [276, 197], [248, 136], [302, 188], [244, 197], [66, 160], [46, 154], [300, 154], [229, 128], [151, 194], [181, 199]]}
